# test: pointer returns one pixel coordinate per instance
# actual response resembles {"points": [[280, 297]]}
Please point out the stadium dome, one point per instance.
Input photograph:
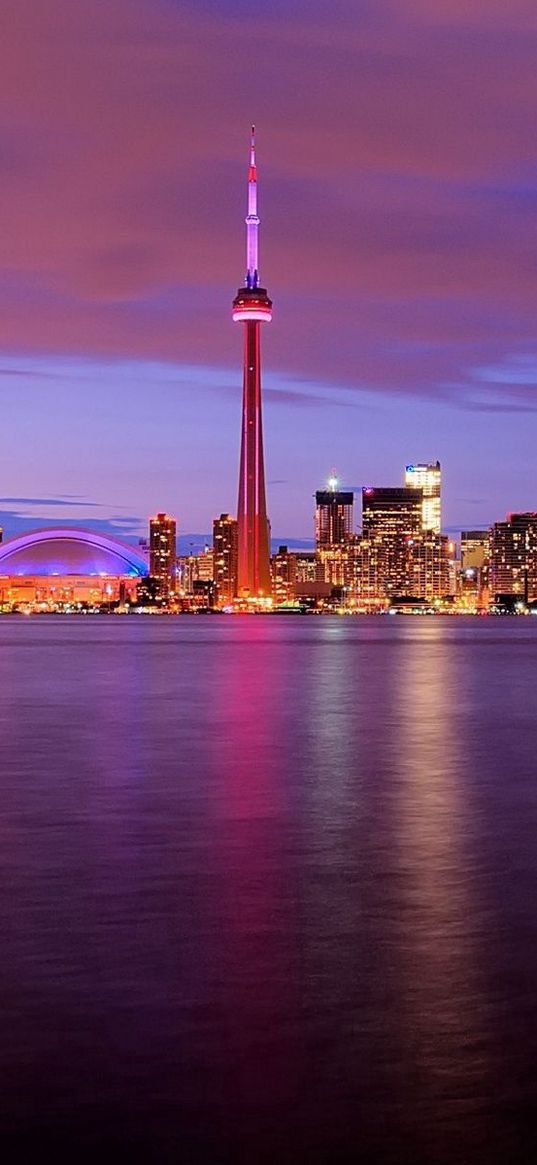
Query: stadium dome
{"points": [[69, 552]]}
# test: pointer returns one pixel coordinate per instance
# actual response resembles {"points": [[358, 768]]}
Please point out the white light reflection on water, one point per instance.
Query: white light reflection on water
{"points": [[443, 973]]}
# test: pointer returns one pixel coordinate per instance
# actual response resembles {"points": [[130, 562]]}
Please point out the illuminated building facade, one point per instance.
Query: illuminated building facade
{"points": [[429, 565], [163, 551], [475, 549], [333, 516], [192, 569], [333, 564], [391, 521], [64, 567], [252, 307], [427, 478], [513, 557], [306, 567], [403, 557], [225, 556], [367, 589], [283, 570], [474, 570]]}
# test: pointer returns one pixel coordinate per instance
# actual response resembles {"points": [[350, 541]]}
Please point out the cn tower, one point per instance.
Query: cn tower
{"points": [[252, 307]]}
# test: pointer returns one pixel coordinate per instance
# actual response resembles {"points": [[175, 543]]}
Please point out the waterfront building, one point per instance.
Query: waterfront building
{"points": [[513, 557], [204, 565], [333, 564], [149, 592], [429, 565], [428, 478], [367, 587], [309, 582], [283, 571], [252, 307], [306, 566], [56, 568], [225, 557], [163, 551], [340, 565], [203, 595]]}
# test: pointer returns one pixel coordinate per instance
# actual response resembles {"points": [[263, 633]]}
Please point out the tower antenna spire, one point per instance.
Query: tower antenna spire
{"points": [[252, 221]]}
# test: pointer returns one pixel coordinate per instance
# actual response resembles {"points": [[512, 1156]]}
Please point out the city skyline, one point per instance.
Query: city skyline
{"points": [[399, 251]]}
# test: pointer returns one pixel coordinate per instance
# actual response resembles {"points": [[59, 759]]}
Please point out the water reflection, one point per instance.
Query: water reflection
{"points": [[443, 987], [255, 964], [267, 888]]}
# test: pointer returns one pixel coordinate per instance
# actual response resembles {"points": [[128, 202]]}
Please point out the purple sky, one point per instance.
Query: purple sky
{"points": [[398, 170]]}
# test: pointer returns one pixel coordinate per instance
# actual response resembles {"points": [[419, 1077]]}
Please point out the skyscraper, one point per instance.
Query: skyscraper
{"points": [[252, 307], [427, 478], [225, 551], [391, 520], [162, 551], [333, 515]]}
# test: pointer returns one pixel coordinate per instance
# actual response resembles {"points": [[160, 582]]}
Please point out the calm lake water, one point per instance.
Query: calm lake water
{"points": [[269, 889]]}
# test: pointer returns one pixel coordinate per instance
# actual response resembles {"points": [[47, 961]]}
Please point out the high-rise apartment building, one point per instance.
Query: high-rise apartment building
{"points": [[162, 551], [427, 478], [225, 552], [513, 556], [333, 516]]}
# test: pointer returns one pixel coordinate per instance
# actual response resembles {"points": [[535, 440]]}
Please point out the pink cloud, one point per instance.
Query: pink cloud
{"points": [[397, 161]]}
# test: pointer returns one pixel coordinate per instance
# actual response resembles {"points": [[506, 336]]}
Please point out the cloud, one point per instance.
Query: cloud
{"points": [[126, 529], [398, 203], [399, 228], [49, 502]]}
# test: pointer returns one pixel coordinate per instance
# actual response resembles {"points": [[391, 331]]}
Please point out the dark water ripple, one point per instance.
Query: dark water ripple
{"points": [[268, 889]]}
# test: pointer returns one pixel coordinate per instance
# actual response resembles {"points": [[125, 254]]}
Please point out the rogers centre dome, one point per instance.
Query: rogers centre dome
{"points": [[68, 551]]}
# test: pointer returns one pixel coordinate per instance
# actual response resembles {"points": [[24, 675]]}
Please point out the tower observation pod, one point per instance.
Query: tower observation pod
{"points": [[252, 307]]}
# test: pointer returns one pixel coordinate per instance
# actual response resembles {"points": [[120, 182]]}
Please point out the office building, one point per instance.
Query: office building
{"points": [[391, 521], [428, 479]]}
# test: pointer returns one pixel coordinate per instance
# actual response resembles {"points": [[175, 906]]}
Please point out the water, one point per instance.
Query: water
{"points": [[268, 889]]}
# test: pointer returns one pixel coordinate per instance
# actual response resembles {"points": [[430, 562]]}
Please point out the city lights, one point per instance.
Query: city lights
{"points": [[390, 557]]}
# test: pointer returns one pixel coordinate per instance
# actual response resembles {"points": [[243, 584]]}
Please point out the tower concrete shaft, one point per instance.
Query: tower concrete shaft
{"points": [[252, 307], [253, 526]]}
